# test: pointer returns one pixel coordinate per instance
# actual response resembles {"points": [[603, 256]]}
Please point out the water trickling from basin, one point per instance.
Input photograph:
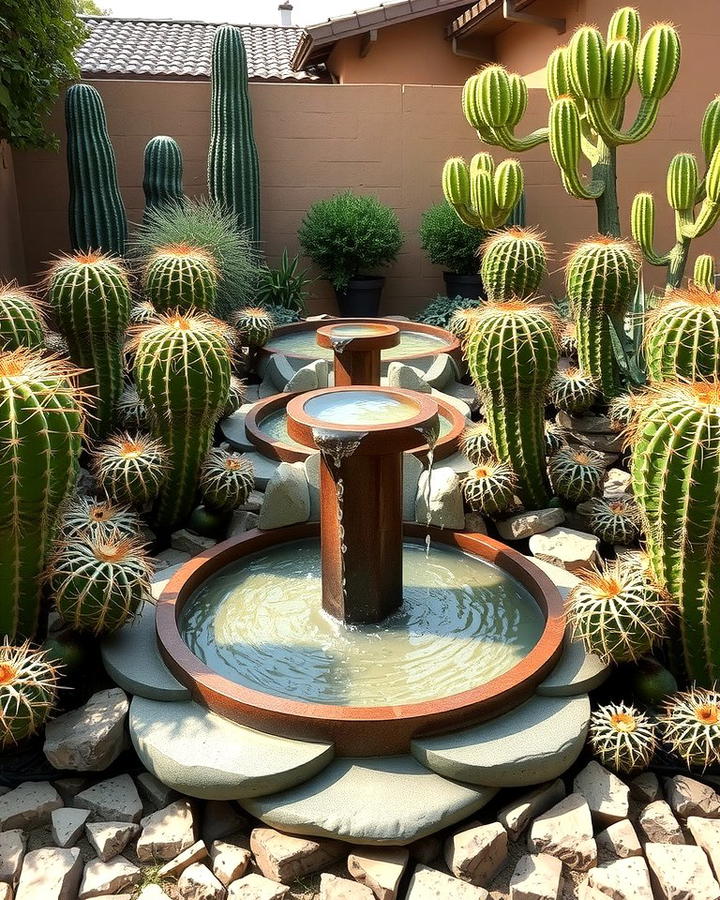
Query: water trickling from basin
{"points": [[357, 407], [413, 344]]}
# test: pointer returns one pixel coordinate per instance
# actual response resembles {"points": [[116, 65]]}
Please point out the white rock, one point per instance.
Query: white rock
{"points": [[90, 738], [229, 862], [536, 878], [108, 877], [287, 497], [283, 858], [195, 853], [681, 873], [429, 884], [50, 874], [12, 853], [312, 475], [688, 797], [198, 883], [309, 378], [516, 815], [279, 371], [6, 892], [619, 841], [334, 888], [564, 547], [256, 887], [566, 831], [411, 378], [607, 796], [67, 824], [525, 524], [659, 825], [617, 484], [169, 558], [445, 499], [167, 832], [113, 800], [706, 834], [623, 879], [152, 892], [477, 854], [443, 371], [109, 839], [29, 805], [380, 869]]}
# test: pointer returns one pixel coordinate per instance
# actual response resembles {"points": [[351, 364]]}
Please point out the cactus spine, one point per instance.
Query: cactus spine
{"points": [[28, 691], [576, 473], [85, 517], [573, 391], [90, 298], [226, 480], [622, 738], [704, 272], [513, 263], [489, 488], [601, 278], [483, 196], [676, 481], [682, 336], [182, 373], [181, 277], [477, 443], [21, 320], [130, 468], [233, 168], [691, 726], [512, 353], [41, 418], [97, 215], [162, 177], [615, 521], [255, 326]]}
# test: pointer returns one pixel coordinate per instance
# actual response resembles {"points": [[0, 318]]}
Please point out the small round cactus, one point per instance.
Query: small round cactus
{"points": [[490, 487], [615, 521], [28, 691], [236, 396], [255, 325], [555, 438], [618, 612], [623, 738], [91, 518], [226, 480], [131, 412], [691, 726], [576, 473], [476, 442], [130, 468], [99, 582], [143, 312], [21, 319], [181, 277], [573, 391], [514, 262], [463, 322], [568, 341], [622, 411]]}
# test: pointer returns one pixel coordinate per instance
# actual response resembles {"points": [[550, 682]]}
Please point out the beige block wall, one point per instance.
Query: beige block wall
{"points": [[12, 259]]}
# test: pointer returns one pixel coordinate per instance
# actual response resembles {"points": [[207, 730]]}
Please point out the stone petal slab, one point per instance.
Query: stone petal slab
{"points": [[233, 429], [197, 752], [536, 742], [389, 800], [577, 672], [133, 661]]}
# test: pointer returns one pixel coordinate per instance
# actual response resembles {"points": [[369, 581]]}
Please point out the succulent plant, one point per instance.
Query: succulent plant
{"points": [[182, 374], [618, 612], [573, 391], [623, 738], [555, 438], [622, 410], [21, 319], [28, 691], [489, 488], [676, 482], [682, 336], [615, 521], [86, 517], [512, 353], [233, 168], [41, 422], [476, 442], [99, 582], [255, 326], [601, 277], [181, 277], [130, 469], [514, 262], [691, 726], [226, 480], [482, 194], [162, 176], [142, 312], [576, 473], [236, 396], [704, 272], [130, 411], [90, 298]]}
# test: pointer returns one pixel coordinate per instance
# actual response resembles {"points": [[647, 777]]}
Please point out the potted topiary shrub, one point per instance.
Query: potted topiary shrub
{"points": [[346, 236], [451, 243]]}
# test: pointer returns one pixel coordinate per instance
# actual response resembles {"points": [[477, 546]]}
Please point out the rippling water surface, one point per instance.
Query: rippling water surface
{"points": [[412, 343]]}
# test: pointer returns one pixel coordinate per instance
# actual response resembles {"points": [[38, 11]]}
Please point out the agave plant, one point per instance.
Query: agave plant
{"points": [[285, 286], [691, 726], [623, 738], [28, 691]]}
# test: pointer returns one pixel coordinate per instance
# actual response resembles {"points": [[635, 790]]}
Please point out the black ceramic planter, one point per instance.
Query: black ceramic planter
{"points": [[468, 286], [362, 297]]}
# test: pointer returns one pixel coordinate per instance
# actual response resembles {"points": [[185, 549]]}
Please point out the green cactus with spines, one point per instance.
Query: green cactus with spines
{"points": [[588, 83], [483, 195], [573, 391], [601, 278], [131, 413], [676, 482], [89, 296], [41, 422], [622, 738], [182, 374], [514, 262], [233, 167], [682, 336], [622, 410], [690, 723], [476, 442], [181, 277], [576, 474], [96, 212], [226, 479], [163, 173], [555, 438], [615, 521], [512, 353], [255, 326], [130, 468], [489, 487], [84, 516], [28, 691], [21, 319], [236, 396], [704, 272]]}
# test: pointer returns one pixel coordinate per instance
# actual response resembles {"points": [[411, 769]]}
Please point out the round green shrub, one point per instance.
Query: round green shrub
{"points": [[349, 234], [449, 242]]}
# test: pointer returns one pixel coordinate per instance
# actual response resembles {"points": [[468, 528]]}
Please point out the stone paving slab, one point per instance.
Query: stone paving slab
{"points": [[198, 753], [577, 672], [389, 800], [233, 429], [538, 741]]}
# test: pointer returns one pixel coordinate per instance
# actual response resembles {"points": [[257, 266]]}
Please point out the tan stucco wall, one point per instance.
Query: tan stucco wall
{"points": [[12, 258]]}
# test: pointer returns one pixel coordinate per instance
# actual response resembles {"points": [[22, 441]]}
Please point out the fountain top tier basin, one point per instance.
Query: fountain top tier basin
{"points": [[358, 336]]}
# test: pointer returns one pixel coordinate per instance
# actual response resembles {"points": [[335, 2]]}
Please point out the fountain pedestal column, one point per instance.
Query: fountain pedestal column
{"points": [[356, 350], [362, 433]]}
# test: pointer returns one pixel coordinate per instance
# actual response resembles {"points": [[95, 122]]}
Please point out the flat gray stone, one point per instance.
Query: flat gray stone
{"points": [[577, 672], [287, 497], [458, 462], [133, 661], [538, 741], [198, 753], [526, 524], [233, 429], [462, 396], [443, 371], [389, 800], [563, 580], [263, 468]]}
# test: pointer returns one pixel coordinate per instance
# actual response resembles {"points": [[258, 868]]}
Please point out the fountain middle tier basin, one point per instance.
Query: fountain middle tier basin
{"points": [[242, 626]]}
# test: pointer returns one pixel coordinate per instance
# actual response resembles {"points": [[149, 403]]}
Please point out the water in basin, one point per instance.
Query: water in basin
{"points": [[260, 623], [354, 331], [304, 343], [361, 408]]}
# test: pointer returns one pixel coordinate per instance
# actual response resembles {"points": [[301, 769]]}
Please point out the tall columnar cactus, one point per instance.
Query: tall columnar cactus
{"points": [[514, 262], [182, 372], [483, 195], [685, 190], [90, 298], [512, 353], [601, 278], [181, 277], [682, 336], [162, 176], [233, 168], [588, 83], [21, 319], [676, 481], [97, 215], [41, 418]]}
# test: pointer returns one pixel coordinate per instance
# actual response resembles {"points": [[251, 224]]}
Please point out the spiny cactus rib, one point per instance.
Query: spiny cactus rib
{"points": [[131, 413], [233, 168], [97, 214], [143, 312], [477, 443], [512, 353], [99, 583], [576, 474], [163, 172], [623, 738], [555, 438], [28, 691], [236, 396], [90, 298], [226, 480], [86, 517], [489, 488], [704, 272], [691, 726], [682, 336], [182, 373], [514, 262], [463, 322], [573, 391], [41, 420], [130, 468], [181, 277], [615, 521], [622, 410], [255, 326], [21, 319], [676, 482], [568, 341], [483, 196]]}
